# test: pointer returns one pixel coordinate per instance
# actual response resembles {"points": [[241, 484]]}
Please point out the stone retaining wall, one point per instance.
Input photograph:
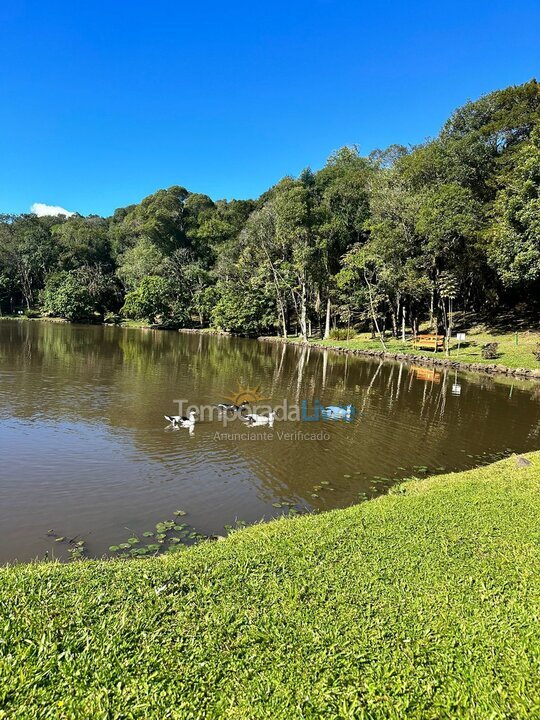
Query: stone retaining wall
{"points": [[431, 360]]}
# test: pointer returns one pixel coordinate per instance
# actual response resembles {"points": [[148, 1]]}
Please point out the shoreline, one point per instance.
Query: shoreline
{"points": [[442, 572], [444, 362], [425, 360]]}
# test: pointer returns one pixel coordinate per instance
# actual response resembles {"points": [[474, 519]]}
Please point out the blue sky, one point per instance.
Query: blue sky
{"points": [[105, 102]]}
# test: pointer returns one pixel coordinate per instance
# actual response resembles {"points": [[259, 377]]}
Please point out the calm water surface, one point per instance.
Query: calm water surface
{"points": [[85, 450]]}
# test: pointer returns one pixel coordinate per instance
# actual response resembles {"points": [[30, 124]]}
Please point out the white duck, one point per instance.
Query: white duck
{"points": [[182, 420], [254, 419]]}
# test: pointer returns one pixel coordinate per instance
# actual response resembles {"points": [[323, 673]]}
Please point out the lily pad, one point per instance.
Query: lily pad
{"points": [[114, 548]]}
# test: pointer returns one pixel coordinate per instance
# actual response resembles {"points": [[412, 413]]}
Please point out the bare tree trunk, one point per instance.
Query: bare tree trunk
{"points": [[303, 310], [444, 316], [318, 311], [280, 304], [394, 324], [372, 308], [279, 297], [395, 316], [327, 322], [283, 317], [403, 322], [449, 326]]}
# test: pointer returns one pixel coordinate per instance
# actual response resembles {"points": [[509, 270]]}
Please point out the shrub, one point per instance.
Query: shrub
{"points": [[79, 295], [536, 352], [152, 298], [65, 296], [490, 351], [340, 334], [249, 309]]}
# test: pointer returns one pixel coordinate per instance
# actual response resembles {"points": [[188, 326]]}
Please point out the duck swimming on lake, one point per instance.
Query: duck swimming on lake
{"points": [[182, 420], [254, 419]]}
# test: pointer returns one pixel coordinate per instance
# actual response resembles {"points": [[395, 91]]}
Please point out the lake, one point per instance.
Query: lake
{"points": [[86, 453]]}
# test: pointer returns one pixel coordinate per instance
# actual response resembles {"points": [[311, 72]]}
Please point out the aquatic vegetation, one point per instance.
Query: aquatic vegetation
{"points": [[162, 540], [77, 549]]}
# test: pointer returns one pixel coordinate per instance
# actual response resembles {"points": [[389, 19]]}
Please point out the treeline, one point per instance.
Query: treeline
{"points": [[385, 241]]}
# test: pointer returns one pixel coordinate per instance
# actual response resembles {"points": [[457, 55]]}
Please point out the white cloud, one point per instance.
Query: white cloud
{"points": [[41, 209]]}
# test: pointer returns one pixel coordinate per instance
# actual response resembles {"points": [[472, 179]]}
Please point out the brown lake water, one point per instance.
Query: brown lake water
{"points": [[86, 453]]}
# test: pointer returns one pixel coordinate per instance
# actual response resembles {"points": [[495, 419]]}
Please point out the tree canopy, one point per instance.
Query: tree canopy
{"points": [[382, 241]]}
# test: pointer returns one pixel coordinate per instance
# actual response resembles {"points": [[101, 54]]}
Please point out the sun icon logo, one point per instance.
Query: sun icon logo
{"points": [[250, 395]]}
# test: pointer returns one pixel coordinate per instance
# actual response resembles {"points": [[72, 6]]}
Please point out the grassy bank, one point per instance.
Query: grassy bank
{"points": [[512, 352], [421, 604]]}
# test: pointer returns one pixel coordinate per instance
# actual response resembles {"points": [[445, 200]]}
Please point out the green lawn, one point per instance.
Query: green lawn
{"points": [[420, 604], [510, 354]]}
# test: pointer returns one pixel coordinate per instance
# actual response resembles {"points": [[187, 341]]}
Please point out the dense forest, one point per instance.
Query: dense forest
{"points": [[382, 242]]}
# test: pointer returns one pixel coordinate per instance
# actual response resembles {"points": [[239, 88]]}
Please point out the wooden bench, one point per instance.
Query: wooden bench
{"points": [[431, 342]]}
